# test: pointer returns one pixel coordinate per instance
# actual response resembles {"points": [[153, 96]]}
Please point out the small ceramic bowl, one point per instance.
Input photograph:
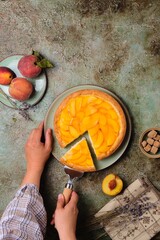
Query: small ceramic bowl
{"points": [[144, 137]]}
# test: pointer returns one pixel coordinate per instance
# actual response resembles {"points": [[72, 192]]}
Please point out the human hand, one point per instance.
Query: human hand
{"points": [[37, 153], [65, 217]]}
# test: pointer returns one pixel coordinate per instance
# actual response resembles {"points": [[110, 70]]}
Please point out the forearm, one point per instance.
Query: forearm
{"points": [[32, 177]]}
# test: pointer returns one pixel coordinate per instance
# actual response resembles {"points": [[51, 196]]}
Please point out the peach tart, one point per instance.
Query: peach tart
{"points": [[79, 157], [95, 112]]}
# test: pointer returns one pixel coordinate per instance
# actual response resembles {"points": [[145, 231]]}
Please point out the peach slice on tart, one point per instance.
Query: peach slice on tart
{"points": [[79, 157]]}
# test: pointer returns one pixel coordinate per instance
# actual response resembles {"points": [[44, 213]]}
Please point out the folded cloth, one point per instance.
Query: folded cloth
{"points": [[135, 214]]}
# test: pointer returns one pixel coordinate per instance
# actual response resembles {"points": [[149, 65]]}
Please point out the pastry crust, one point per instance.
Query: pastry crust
{"points": [[114, 107]]}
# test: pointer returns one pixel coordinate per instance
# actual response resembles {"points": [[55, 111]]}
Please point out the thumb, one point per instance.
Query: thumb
{"points": [[60, 201], [74, 198]]}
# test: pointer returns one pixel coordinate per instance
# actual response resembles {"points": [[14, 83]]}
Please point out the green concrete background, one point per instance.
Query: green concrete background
{"points": [[113, 44]]}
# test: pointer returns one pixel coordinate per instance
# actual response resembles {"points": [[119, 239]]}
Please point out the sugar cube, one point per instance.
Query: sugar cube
{"points": [[147, 148], [157, 138], [152, 134], [154, 149], [144, 143], [150, 141], [156, 144]]}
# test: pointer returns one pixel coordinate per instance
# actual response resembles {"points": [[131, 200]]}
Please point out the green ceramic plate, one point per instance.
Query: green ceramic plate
{"points": [[39, 83], [58, 151]]}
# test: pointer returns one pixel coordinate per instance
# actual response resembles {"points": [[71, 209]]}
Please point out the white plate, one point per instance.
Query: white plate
{"points": [[58, 151], [39, 83]]}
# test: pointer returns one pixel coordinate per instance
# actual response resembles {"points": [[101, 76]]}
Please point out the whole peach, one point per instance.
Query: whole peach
{"points": [[6, 75], [20, 89], [28, 67]]}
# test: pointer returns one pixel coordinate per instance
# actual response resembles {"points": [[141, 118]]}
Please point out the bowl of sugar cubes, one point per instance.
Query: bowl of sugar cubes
{"points": [[149, 142]]}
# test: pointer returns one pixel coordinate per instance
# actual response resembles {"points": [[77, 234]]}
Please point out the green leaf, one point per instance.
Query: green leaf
{"points": [[41, 61], [44, 63], [37, 54]]}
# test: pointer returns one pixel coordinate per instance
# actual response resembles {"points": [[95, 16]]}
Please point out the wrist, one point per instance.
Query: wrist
{"points": [[32, 177], [34, 171]]}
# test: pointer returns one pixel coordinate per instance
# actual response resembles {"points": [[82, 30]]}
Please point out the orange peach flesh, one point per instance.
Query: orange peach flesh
{"points": [[112, 185]]}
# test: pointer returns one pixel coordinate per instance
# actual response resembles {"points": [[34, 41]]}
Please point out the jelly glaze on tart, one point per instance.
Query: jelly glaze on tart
{"points": [[95, 112], [79, 157]]}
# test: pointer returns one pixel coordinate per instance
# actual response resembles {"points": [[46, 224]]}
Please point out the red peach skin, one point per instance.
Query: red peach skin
{"points": [[27, 66], [6, 75], [20, 89]]}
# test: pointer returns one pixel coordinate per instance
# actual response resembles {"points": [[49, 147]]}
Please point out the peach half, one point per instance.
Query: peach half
{"points": [[20, 89], [112, 185]]}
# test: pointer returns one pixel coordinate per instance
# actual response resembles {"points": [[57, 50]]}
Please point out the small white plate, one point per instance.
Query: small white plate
{"points": [[39, 83], [58, 151]]}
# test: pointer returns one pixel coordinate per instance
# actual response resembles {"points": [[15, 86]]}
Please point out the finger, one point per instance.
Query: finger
{"points": [[40, 130], [37, 133], [74, 198], [60, 201], [31, 134], [53, 220], [40, 126], [48, 140]]}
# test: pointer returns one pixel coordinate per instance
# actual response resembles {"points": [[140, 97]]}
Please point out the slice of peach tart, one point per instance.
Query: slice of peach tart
{"points": [[79, 157], [95, 112]]}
